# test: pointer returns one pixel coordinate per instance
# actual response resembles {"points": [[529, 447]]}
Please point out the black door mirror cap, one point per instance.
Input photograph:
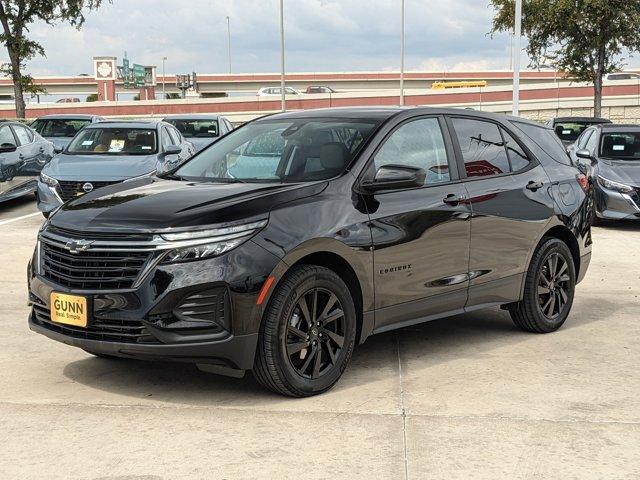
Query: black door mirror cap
{"points": [[390, 177]]}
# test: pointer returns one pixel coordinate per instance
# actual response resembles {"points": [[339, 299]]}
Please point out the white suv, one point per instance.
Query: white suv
{"points": [[277, 91]]}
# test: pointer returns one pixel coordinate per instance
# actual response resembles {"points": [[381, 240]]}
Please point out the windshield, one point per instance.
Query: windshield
{"points": [[59, 127], [621, 146], [196, 128], [570, 131], [115, 141], [299, 150]]}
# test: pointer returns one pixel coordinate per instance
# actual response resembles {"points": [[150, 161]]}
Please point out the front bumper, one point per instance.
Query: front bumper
{"points": [[156, 320], [613, 205], [235, 352]]}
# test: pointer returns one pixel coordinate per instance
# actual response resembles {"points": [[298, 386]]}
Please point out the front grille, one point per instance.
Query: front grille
{"points": [[121, 331], [91, 270], [71, 189]]}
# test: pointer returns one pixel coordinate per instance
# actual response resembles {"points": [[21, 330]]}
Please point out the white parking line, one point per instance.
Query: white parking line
{"points": [[17, 219]]}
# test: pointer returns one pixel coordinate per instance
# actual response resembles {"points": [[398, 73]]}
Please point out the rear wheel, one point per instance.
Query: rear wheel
{"points": [[549, 289], [308, 333]]}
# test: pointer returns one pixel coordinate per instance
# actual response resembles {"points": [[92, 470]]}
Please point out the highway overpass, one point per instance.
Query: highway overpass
{"points": [[248, 84]]}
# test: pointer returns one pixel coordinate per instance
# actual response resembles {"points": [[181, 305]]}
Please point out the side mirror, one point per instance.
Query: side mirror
{"points": [[584, 154], [396, 176], [7, 148], [172, 150], [58, 150]]}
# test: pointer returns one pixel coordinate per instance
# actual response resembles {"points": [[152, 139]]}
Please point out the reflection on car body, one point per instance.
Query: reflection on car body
{"points": [[23, 153]]}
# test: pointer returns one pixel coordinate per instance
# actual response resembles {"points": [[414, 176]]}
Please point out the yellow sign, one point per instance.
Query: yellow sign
{"points": [[68, 309]]}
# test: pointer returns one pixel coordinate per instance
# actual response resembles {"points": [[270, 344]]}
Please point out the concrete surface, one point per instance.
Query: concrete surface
{"points": [[469, 397]]}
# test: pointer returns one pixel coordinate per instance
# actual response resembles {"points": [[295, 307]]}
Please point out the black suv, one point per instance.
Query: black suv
{"points": [[297, 236]]}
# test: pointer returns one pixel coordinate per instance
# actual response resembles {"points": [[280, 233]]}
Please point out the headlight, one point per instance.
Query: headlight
{"points": [[200, 244], [611, 185], [47, 180]]}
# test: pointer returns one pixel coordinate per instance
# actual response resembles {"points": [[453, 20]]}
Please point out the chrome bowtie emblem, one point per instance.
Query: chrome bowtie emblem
{"points": [[87, 187], [77, 246]]}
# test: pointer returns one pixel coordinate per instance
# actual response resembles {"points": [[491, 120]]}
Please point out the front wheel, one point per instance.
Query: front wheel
{"points": [[308, 333], [549, 289]]}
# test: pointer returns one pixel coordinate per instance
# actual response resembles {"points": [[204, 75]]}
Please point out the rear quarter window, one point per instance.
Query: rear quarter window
{"points": [[544, 143]]}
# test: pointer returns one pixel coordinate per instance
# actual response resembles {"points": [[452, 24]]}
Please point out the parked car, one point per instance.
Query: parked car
{"points": [[68, 100], [201, 130], [568, 129], [368, 219], [610, 155], [106, 153], [319, 89], [23, 153], [276, 91], [623, 76], [60, 129]]}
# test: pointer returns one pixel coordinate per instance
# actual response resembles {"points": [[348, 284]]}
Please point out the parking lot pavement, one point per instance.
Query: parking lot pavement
{"points": [[17, 208], [467, 397]]}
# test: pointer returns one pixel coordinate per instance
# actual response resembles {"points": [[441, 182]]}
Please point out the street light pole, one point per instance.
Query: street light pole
{"points": [[164, 96], [282, 83], [402, 53], [516, 58], [229, 40]]}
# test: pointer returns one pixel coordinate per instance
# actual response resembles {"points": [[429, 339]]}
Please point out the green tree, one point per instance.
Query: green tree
{"points": [[16, 16], [584, 38], [93, 97]]}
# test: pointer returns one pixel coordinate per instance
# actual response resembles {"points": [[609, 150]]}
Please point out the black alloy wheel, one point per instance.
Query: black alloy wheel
{"points": [[549, 289], [315, 333], [553, 285], [308, 333]]}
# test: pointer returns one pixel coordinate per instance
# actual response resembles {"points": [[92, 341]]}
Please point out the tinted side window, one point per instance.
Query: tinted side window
{"points": [[584, 139], [166, 138], [6, 137], [25, 136], [517, 156], [418, 144], [546, 141], [483, 148], [592, 143]]}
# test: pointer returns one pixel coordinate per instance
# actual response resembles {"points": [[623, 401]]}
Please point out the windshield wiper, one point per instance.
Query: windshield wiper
{"points": [[225, 180]]}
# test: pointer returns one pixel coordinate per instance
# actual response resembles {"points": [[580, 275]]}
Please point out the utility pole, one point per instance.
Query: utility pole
{"points": [[282, 83], [516, 58], [229, 40], [164, 96], [402, 53]]}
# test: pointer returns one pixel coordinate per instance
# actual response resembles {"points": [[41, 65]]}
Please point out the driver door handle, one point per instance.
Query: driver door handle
{"points": [[453, 199], [534, 185]]}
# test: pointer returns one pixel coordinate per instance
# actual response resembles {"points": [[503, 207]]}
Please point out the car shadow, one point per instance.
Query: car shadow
{"points": [[628, 225], [431, 344]]}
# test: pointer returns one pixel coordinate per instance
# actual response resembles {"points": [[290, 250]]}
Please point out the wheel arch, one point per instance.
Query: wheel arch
{"points": [[350, 266], [563, 233]]}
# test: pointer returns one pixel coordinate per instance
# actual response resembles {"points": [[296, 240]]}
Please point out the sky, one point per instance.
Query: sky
{"points": [[321, 35]]}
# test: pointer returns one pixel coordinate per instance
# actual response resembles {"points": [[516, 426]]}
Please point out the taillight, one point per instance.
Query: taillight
{"points": [[583, 181]]}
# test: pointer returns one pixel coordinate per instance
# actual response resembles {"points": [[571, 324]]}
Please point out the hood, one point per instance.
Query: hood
{"points": [[201, 142], [59, 142], [152, 204], [99, 167], [623, 171]]}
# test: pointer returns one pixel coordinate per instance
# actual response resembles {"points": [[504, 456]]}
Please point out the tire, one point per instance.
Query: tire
{"points": [[295, 356], [540, 311]]}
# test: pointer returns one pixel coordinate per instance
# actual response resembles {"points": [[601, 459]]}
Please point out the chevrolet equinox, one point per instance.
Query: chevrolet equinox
{"points": [[295, 237]]}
